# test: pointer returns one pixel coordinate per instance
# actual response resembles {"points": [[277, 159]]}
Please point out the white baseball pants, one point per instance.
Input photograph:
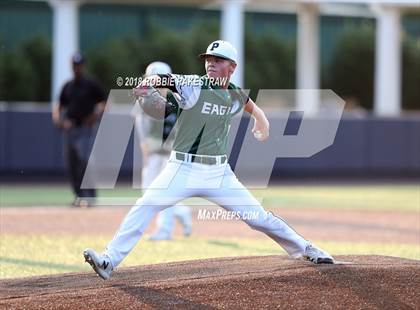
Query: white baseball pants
{"points": [[216, 183], [165, 221]]}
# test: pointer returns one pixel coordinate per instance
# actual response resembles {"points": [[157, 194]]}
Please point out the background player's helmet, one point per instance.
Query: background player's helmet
{"points": [[158, 67], [222, 49]]}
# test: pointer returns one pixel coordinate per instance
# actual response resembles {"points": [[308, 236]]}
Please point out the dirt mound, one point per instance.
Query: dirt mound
{"points": [[343, 225], [239, 283]]}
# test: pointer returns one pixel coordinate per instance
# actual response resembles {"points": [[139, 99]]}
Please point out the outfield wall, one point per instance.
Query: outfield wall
{"points": [[363, 147]]}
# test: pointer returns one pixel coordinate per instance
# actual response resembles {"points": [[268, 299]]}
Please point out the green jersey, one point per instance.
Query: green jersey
{"points": [[205, 113]]}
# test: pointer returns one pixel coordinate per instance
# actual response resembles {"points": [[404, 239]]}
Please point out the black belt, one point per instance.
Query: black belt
{"points": [[201, 159]]}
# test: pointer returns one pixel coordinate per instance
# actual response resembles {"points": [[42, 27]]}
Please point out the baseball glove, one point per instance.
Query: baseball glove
{"points": [[151, 101]]}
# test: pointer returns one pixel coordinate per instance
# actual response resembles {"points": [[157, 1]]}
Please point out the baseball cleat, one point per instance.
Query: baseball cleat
{"points": [[187, 232], [99, 262], [317, 256]]}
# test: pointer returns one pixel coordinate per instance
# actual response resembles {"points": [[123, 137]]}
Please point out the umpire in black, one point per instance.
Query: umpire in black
{"points": [[81, 104]]}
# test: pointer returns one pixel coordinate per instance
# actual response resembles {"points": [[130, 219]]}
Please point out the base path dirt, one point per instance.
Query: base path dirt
{"points": [[269, 282], [317, 224]]}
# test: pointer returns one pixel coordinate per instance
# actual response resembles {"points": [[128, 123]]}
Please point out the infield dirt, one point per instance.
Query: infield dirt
{"points": [[316, 224], [370, 282]]}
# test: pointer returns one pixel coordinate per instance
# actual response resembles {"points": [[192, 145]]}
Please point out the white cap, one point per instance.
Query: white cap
{"points": [[157, 67], [222, 49]]}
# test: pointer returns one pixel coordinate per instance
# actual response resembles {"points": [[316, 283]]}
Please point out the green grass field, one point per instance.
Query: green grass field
{"points": [[37, 255], [23, 255], [404, 197]]}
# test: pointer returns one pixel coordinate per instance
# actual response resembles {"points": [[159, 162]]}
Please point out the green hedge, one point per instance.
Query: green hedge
{"points": [[351, 71], [269, 62], [26, 71], [129, 56]]}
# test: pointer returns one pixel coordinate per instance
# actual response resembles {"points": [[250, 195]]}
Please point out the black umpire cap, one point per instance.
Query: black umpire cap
{"points": [[78, 59]]}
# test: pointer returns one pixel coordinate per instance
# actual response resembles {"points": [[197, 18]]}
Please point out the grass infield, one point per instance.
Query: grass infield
{"points": [[37, 255], [402, 197]]}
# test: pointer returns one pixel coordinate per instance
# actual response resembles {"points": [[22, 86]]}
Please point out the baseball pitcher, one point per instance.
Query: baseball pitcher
{"points": [[198, 165]]}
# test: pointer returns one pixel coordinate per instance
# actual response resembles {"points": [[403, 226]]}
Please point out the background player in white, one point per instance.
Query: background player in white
{"points": [[156, 144], [198, 163]]}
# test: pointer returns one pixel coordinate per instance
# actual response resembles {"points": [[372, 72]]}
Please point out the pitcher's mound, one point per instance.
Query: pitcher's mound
{"points": [[238, 282]]}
